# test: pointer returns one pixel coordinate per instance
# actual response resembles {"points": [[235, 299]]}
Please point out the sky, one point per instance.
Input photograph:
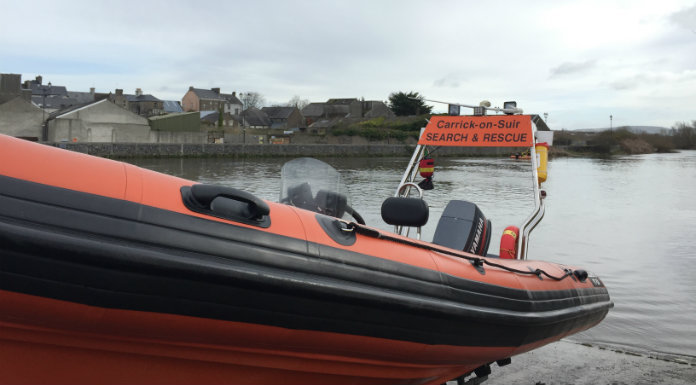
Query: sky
{"points": [[580, 62]]}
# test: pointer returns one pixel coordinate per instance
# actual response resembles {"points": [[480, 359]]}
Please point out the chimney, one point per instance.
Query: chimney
{"points": [[91, 90], [138, 91], [119, 92], [190, 88], [234, 93], [216, 90], [39, 79]]}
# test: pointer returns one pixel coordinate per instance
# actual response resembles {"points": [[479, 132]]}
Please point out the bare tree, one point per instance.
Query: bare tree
{"points": [[298, 102], [252, 99]]}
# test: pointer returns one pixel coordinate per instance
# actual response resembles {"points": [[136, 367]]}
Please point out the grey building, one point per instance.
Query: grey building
{"points": [[255, 118], [18, 116], [286, 118], [376, 109], [53, 98], [313, 112], [345, 108], [233, 105], [100, 121], [22, 119], [138, 103], [11, 87]]}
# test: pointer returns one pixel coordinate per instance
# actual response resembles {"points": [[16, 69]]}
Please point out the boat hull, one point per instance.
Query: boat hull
{"points": [[106, 276], [51, 341]]}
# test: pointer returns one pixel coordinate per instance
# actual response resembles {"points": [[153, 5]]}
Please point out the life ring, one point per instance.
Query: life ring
{"points": [[508, 242]]}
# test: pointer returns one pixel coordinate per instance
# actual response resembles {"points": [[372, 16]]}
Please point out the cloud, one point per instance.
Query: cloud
{"points": [[686, 18], [631, 82], [449, 81], [658, 80], [320, 50], [569, 68]]}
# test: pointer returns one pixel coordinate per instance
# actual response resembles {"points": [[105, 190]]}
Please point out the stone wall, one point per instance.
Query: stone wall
{"points": [[129, 150]]}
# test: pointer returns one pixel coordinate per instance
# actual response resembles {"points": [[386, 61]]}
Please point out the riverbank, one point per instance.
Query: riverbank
{"points": [[167, 150], [236, 150], [566, 362]]}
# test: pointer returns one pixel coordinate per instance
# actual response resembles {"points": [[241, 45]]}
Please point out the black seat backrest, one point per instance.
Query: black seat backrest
{"points": [[462, 226], [301, 196], [401, 211]]}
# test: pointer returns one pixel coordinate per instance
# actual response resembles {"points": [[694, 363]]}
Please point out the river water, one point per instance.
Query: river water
{"points": [[629, 220]]}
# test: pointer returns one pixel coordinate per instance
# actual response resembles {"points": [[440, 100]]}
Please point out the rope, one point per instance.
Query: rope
{"points": [[476, 261]]}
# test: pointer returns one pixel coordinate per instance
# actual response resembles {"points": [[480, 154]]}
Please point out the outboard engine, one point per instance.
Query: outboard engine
{"points": [[462, 226]]}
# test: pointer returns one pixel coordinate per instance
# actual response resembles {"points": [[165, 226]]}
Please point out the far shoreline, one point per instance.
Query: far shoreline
{"points": [[210, 150]]}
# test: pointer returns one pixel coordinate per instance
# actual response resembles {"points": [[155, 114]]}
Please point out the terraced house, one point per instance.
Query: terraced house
{"points": [[141, 104]]}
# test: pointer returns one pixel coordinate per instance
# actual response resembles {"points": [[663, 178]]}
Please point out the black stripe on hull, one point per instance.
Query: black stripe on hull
{"points": [[105, 252]]}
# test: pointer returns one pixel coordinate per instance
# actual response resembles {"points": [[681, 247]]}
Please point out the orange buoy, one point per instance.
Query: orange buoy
{"points": [[508, 242], [542, 150]]}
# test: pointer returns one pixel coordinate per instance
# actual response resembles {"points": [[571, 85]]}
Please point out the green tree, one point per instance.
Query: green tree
{"points": [[404, 104]]}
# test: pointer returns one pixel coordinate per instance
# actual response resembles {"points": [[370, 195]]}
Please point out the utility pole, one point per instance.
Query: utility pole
{"points": [[44, 91], [611, 125], [242, 116]]}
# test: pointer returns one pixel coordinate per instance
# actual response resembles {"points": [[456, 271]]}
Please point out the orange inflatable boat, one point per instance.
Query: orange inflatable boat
{"points": [[110, 273]]}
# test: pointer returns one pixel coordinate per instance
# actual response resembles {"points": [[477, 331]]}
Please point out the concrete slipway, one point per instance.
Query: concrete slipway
{"points": [[566, 362]]}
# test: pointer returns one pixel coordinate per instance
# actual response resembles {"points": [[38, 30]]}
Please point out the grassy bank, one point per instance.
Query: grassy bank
{"points": [[399, 128], [620, 142]]}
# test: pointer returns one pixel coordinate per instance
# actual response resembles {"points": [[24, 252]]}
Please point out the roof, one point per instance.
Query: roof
{"points": [[81, 97], [325, 123], [376, 108], [107, 112], [70, 109], [206, 113], [278, 112], [207, 94], [313, 109], [540, 123], [141, 98], [38, 89], [171, 116], [255, 117], [341, 101], [337, 109], [172, 106], [212, 117], [232, 98], [56, 101]]}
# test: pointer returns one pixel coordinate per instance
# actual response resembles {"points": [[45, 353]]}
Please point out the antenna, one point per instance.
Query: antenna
{"points": [[508, 107]]}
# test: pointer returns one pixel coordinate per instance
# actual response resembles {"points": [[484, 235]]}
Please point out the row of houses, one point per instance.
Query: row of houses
{"points": [[47, 112], [211, 102]]}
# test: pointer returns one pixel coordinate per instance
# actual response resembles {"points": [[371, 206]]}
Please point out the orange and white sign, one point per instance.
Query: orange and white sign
{"points": [[479, 131]]}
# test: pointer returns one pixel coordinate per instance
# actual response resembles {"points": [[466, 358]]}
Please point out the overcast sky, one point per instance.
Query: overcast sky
{"points": [[578, 61]]}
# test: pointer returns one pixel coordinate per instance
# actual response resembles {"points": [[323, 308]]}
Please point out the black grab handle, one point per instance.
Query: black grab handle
{"points": [[206, 193], [226, 202]]}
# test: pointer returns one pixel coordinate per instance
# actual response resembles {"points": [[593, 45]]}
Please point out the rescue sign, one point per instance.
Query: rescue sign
{"points": [[479, 131]]}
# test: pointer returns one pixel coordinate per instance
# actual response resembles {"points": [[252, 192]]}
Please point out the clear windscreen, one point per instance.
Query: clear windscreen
{"points": [[311, 184]]}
